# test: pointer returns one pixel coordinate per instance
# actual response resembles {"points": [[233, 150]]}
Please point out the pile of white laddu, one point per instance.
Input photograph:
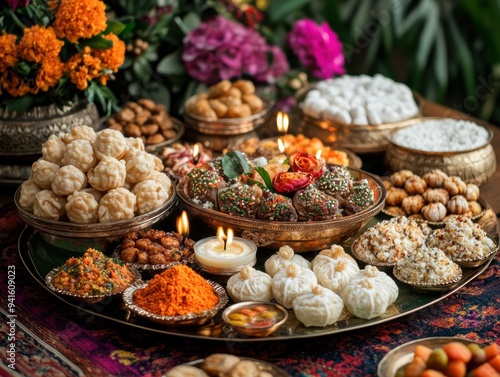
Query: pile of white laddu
{"points": [[442, 135], [360, 100]]}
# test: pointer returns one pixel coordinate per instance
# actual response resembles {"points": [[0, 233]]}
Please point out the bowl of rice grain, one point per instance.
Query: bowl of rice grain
{"points": [[458, 147]]}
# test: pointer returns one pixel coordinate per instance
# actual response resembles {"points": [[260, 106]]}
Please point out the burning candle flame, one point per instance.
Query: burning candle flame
{"points": [[282, 122], [183, 225], [318, 154], [281, 146], [196, 153], [228, 240]]}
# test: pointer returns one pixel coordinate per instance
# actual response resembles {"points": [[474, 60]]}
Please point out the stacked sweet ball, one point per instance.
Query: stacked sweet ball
{"points": [[432, 197], [144, 119], [87, 177], [360, 100], [298, 188], [227, 100], [320, 290]]}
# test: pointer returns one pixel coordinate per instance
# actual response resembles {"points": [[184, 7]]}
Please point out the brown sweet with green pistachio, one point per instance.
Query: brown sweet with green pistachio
{"points": [[314, 205]]}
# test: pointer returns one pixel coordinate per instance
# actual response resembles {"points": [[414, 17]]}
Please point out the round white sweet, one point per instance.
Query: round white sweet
{"points": [[360, 100]]}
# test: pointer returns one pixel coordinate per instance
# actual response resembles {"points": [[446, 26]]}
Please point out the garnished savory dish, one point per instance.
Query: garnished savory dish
{"points": [[93, 274]]}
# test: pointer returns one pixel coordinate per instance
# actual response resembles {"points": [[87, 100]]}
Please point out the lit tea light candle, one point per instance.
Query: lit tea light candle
{"points": [[182, 224], [224, 253], [196, 153], [282, 122]]}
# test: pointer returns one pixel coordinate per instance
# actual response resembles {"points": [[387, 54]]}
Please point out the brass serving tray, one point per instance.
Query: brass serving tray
{"points": [[39, 257]]}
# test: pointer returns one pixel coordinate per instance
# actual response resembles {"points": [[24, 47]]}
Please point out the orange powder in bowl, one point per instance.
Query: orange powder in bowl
{"points": [[176, 291]]}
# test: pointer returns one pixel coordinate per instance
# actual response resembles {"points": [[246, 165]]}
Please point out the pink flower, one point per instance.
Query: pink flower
{"points": [[17, 3], [318, 48], [222, 49]]}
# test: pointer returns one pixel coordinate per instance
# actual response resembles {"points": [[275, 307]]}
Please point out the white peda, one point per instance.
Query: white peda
{"points": [[163, 179], [53, 149], [283, 258], [110, 143], [369, 293], [81, 208], [334, 274], [43, 173], [79, 133], [321, 307], [80, 153], [335, 252], [108, 174], [150, 195], [140, 166], [291, 282], [49, 205], [117, 204], [27, 195], [250, 285], [186, 371], [67, 180]]}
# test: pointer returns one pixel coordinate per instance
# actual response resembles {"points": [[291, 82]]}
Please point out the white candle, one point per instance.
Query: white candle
{"points": [[210, 252]]}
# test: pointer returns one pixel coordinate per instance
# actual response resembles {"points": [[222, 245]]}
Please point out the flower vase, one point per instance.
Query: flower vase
{"points": [[22, 134]]}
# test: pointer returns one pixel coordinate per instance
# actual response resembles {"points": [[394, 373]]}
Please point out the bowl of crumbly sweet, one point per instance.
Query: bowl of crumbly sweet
{"points": [[94, 186], [298, 200], [356, 112], [455, 146]]}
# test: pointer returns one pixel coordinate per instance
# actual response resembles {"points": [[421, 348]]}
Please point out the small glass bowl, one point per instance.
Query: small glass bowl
{"points": [[191, 319], [91, 299], [236, 316]]}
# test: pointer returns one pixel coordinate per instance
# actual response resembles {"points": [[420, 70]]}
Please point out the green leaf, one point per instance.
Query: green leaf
{"points": [[464, 56], [171, 64], [441, 64], [97, 42], [234, 163], [267, 179], [114, 27], [191, 21], [279, 9], [21, 104]]}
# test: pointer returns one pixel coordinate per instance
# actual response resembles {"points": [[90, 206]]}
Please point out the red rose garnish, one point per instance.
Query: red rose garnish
{"points": [[286, 182], [306, 163]]}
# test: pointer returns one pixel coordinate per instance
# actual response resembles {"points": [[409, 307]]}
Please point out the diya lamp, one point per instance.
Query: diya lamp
{"points": [[224, 254], [182, 224]]}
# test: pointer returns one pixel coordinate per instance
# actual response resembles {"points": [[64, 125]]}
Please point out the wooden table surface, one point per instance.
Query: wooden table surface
{"points": [[490, 191]]}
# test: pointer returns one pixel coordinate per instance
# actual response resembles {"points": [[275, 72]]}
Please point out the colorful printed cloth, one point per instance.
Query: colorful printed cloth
{"points": [[55, 339]]}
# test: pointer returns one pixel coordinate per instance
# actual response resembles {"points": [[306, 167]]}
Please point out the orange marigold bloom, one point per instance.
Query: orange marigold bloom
{"points": [[79, 19], [8, 51], [113, 57], [16, 85], [49, 74], [39, 43], [83, 67]]}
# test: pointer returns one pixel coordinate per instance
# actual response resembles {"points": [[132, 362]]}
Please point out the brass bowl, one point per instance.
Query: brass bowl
{"points": [[79, 237], [475, 165], [192, 319], [300, 236], [361, 139], [225, 126], [179, 132]]}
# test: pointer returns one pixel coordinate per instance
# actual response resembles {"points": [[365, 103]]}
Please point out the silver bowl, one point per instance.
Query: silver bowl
{"points": [[91, 299], [300, 236], [192, 319]]}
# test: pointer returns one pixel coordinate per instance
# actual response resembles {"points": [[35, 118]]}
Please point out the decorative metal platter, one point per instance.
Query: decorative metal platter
{"points": [[40, 257]]}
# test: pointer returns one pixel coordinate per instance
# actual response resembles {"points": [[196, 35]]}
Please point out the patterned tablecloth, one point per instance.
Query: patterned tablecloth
{"points": [[54, 339]]}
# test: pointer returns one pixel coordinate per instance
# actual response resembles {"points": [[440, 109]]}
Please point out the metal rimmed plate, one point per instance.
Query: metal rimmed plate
{"points": [[427, 288], [192, 319], [402, 355]]}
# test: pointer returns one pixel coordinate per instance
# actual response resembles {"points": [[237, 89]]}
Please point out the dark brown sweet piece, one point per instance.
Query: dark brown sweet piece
{"points": [[361, 197], [276, 207], [313, 204], [203, 185], [240, 199], [336, 185]]}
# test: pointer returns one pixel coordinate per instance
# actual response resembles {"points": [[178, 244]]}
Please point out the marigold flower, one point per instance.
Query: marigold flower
{"points": [[317, 47], [8, 51], [49, 74], [113, 57], [16, 85], [83, 67], [79, 19], [39, 43]]}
